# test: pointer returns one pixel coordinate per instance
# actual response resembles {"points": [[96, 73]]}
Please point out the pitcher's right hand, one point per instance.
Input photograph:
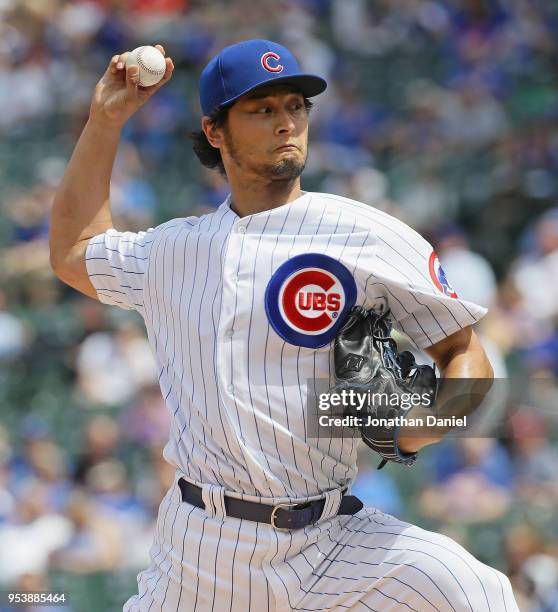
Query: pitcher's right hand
{"points": [[118, 94]]}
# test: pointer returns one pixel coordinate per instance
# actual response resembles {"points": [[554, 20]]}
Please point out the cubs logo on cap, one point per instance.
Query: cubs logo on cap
{"points": [[308, 299], [265, 60], [438, 276]]}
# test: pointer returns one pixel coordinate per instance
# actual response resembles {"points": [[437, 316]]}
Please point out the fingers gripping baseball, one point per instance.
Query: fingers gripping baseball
{"points": [[121, 90], [132, 80]]}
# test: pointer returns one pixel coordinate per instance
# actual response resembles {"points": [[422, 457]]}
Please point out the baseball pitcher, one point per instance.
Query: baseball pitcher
{"points": [[244, 308]]}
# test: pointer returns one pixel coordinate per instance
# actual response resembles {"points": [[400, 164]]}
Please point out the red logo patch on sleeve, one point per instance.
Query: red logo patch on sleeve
{"points": [[439, 278]]}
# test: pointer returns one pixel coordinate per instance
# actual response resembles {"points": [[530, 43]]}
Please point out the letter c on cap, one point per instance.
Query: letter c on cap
{"points": [[265, 62]]}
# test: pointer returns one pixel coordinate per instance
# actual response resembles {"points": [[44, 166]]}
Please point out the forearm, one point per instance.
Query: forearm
{"points": [[81, 206], [466, 378]]}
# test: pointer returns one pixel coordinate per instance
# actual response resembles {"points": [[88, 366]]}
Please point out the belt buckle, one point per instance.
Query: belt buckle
{"points": [[274, 512]]}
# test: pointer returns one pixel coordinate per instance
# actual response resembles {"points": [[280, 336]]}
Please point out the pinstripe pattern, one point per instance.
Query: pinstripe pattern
{"points": [[236, 394]]}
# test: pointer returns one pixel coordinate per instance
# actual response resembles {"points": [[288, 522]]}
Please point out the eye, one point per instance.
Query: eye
{"points": [[263, 110]]}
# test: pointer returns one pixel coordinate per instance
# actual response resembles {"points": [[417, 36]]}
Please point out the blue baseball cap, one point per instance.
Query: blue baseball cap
{"points": [[240, 68]]}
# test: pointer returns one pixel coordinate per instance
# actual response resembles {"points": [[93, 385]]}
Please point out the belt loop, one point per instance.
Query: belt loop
{"points": [[331, 505], [214, 499]]}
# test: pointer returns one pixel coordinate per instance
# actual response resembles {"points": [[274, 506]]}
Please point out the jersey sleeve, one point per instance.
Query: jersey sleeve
{"points": [[116, 263], [423, 303]]}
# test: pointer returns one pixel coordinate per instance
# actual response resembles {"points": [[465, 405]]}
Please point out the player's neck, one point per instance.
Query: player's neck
{"points": [[255, 198]]}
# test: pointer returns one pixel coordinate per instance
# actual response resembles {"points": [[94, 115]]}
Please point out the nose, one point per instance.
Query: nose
{"points": [[284, 123]]}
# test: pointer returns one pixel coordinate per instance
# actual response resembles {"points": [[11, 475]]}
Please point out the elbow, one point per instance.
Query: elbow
{"points": [[478, 364], [59, 251], [479, 356], [489, 370], [53, 251], [55, 260], [58, 263], [488, 375], [59, 246]]}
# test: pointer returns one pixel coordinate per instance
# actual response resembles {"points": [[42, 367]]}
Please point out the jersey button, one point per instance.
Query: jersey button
{"points": [[241, 229], [230, 388], [229, 333]]}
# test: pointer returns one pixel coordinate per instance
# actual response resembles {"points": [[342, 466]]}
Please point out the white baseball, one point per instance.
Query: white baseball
{"points": [[151, 64]]}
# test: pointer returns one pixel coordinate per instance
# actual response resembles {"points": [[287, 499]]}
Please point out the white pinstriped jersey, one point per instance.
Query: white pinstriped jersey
{"points": [[241, 314]]}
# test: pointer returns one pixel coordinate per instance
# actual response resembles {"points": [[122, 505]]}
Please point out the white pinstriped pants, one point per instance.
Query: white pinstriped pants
{"points": [[369, 561]]}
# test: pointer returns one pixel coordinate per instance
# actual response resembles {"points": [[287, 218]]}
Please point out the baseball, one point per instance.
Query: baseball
{"points": [[151, 64]]}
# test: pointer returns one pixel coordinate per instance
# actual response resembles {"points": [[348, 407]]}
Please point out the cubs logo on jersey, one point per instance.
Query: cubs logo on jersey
{"points": [[308, 299], [438, 276]]}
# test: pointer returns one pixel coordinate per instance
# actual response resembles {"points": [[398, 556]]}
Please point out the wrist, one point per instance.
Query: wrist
{"points": [[100, 122], [409, 445], [414, 435]]}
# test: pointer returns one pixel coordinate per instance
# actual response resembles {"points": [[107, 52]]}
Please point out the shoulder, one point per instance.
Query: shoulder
{"points": [[174, 229], [177, 225], [368, 218]]}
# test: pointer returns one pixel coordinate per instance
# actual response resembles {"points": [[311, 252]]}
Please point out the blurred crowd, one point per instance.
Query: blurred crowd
{"points": [[441, 112]]}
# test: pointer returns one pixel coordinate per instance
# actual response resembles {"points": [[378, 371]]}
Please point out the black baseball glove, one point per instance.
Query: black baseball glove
{"points": [[367, 361]]}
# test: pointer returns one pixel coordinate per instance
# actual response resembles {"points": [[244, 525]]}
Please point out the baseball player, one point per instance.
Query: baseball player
{"points": [[241, 308]]}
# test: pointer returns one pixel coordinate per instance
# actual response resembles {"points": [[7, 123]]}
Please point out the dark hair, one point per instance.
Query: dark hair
{"points": [[210, 156]]}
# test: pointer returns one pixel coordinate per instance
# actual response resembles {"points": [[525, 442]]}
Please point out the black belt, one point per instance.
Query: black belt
{"points": [[280, 516]]}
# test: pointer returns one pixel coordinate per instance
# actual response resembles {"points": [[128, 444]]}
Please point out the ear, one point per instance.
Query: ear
{"points": [[214, 135]]}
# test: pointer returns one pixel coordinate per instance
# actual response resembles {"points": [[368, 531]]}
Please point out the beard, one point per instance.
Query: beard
{"points": [[286, 169]]}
